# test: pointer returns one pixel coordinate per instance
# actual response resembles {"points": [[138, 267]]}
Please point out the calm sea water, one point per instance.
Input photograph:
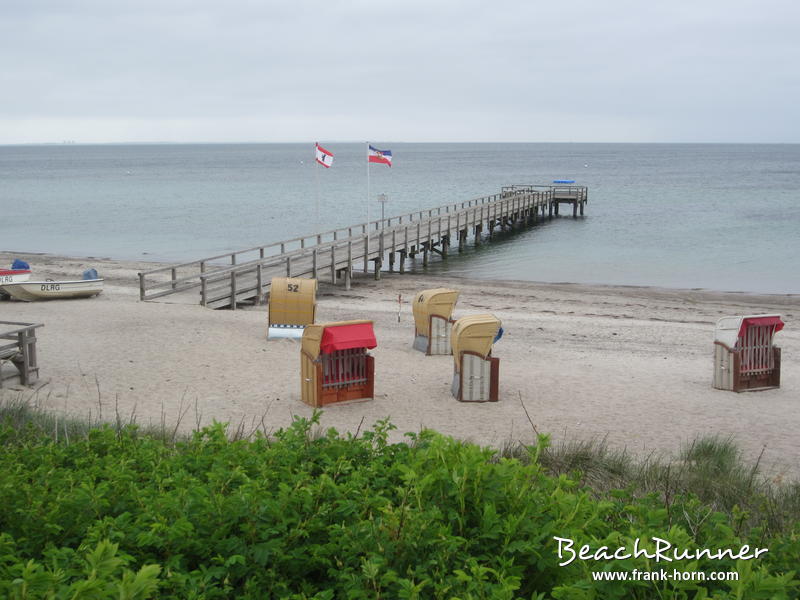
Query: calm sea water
{"points": [[724, 217]]}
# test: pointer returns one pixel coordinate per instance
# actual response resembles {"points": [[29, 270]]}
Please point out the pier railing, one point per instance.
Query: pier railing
{"points": [[242, 274], [163, 281]]}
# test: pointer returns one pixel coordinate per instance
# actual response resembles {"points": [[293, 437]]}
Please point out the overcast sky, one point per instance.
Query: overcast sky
{"points": [[402, 70]]}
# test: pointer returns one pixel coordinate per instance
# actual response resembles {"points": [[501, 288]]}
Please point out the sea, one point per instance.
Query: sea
{"points": [[714, 216]]}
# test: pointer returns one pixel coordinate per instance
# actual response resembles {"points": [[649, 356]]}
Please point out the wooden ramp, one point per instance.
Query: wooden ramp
{"points": [[244, 276]]}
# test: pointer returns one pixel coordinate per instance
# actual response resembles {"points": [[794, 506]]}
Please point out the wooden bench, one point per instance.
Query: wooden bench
{"points": [[21, 352]]}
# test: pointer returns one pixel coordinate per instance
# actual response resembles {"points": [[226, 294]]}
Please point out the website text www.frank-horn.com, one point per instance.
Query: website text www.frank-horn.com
{"points": [[664, 575]]}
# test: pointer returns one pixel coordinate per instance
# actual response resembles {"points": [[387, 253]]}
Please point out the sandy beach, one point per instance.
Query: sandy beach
{"points": [[630, 364]]}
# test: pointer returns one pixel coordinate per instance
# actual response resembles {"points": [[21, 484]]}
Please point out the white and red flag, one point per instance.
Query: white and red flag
{"points": [[383, 157], [324, 157]]}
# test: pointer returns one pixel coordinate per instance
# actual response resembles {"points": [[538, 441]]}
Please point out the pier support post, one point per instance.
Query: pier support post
{"points": [[350, 258], [333, 265], [575, 209], [314, 263], [478, 229], [445, 245], [550, 210], [366, 253], [425, 254], [402, 261], [581, 208], [462, 239], [558, 205], [259, 284], [391, 262], [347, 277], [233, 290], [378, 263]]}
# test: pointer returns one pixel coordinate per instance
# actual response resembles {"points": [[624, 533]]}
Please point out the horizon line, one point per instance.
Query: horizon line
{"points": [[221, 143]]}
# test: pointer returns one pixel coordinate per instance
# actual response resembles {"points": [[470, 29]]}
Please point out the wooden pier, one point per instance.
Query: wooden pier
{"points": [[244, 276]]}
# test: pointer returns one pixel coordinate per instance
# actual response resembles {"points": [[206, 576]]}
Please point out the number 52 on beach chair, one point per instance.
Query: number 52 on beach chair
{"points": [[292, 306]]}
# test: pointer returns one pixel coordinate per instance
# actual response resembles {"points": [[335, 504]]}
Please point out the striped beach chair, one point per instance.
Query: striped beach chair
{"points": [[745, 358]]}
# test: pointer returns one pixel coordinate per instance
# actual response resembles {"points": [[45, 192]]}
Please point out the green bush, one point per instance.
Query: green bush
{"points": [[118, 514]]}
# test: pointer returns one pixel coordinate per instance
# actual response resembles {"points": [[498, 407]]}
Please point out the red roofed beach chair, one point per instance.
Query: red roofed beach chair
{"points": [[744, 356], [334, 363]]}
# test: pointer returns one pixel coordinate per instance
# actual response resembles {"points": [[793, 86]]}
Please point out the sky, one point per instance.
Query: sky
{"points": [[115, 71]]}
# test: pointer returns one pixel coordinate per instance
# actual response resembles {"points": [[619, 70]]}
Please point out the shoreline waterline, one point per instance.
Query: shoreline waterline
{"points": [[432, 273]]}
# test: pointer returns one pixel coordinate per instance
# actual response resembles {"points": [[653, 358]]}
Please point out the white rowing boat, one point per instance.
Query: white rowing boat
{"points": [[30, 291], [14, 275]]}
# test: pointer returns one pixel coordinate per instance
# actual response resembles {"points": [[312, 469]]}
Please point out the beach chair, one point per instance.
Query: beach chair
{"points": [[334, 363], [476, 372], [432, 320], [292, 306], [745, 358]]}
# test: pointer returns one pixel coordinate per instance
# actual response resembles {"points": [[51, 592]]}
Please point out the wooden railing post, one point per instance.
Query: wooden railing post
{"points": [[333, 264], [259, 283], [233, 290]]}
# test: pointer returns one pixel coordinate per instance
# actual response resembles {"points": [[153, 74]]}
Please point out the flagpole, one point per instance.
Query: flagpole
{"points": [[316, 179], [366, 250]]}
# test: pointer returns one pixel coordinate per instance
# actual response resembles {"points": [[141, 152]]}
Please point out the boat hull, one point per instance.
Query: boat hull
{"points": [[31, 291]]}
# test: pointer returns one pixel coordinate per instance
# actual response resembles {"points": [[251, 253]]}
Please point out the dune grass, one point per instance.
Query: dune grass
{"points": [[710, 467]]}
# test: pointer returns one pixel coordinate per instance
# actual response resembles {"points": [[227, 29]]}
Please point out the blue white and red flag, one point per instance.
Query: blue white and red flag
{"points": [[383, 157]]}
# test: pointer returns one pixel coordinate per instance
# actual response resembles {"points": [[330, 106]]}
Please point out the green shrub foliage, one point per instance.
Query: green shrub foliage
{"points": [[117, 514]]}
